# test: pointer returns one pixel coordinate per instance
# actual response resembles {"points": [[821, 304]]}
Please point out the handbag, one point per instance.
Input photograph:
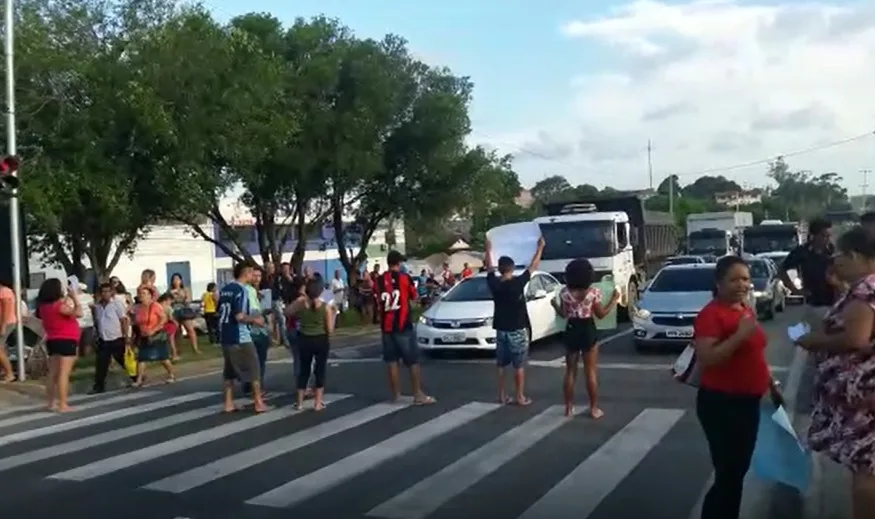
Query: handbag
{"points": [[130, 361], [686, 368], [184, 313]]}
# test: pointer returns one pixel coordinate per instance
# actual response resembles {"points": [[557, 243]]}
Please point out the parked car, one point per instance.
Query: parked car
{"points": [[669, 304], [462, 317], [768, 290], [683, 260], [778, 259]]}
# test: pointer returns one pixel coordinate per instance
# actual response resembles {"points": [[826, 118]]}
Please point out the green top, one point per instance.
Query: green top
{"points": [[255, 309], [311, 320]]}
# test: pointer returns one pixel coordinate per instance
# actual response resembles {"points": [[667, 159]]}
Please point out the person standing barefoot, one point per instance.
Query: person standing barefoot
{"points": [[580, 303]]}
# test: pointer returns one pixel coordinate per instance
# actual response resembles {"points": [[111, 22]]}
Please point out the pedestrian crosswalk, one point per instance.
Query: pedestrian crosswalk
{"points": [[362, 458]]}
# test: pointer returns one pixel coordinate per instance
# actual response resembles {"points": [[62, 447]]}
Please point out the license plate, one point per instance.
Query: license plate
{"points": [[453, 338], [679, 334]]}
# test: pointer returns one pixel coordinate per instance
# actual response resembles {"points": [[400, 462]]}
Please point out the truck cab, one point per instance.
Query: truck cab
{"points": [[711, 242], [615, 235]]}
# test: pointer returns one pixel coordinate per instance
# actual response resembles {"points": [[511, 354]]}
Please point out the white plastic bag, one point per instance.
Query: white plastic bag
{"points": [[686, 369]]}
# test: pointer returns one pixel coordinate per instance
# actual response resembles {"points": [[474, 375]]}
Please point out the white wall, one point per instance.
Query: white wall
{"points": [[163, 245]]}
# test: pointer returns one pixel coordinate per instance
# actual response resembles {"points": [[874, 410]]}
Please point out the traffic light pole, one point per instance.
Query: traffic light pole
{"points": [[15, 231]]}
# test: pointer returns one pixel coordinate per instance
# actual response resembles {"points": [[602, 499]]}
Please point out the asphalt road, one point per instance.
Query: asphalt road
{"points": [[166, 452]]}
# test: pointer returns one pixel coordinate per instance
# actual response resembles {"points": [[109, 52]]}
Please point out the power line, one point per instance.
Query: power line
{"points": [[760, 162], [702, 172]]}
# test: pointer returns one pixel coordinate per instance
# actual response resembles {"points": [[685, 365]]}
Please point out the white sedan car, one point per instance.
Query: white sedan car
{"points": [[462, 318]]}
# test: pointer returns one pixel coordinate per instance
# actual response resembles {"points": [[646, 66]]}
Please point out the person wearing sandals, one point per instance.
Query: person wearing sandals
{"points": [[59, 313], [152, 340], [581, 303], [235, 336], [395, 292], [511, 320], [315, 325]]}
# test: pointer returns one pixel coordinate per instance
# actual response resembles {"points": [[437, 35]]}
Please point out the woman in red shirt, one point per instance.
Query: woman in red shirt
{"points": [[59, 314], [730, 348]]}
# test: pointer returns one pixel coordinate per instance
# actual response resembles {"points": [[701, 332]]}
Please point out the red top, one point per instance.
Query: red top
{"points": [[746, 371], [395, 291], [57, 325]]}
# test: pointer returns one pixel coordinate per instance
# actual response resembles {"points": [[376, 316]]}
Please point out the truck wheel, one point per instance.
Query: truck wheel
{"points": [[624, 313]]}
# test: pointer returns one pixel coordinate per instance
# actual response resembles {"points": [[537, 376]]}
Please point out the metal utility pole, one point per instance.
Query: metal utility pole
{"points": [[650, 163], [15, 226], [865, 187]]}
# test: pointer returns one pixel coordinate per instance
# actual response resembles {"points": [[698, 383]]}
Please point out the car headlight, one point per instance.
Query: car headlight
{"points": [[487, 322], [425, 320], [641, 313], [761, 294], [798, 283]]}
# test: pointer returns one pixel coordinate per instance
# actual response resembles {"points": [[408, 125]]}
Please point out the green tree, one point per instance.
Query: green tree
{"points": [[397, 131], [217, 94], [550, 189], [84, 189]]}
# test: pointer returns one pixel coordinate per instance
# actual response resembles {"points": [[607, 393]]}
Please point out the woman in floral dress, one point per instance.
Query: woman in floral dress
{"points": [[843, 418]]}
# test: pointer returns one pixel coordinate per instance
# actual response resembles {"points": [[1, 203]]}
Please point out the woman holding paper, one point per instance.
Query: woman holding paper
{"points": [[843, 419], [730, 348]]}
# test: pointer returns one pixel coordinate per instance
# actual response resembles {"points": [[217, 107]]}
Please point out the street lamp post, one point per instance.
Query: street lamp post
{"points": [[15, 230]]}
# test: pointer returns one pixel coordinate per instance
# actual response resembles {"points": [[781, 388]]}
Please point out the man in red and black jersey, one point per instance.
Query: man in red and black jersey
{"points": [[395, 292]]}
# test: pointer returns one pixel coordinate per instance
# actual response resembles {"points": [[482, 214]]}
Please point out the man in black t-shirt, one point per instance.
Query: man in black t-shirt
{"points": [[811, 261], [511, 319]]}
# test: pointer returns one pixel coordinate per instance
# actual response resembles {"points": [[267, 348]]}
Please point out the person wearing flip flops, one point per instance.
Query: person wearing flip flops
{"points": [[315, 325], [395, 291], [235, 335], [511, 320]]}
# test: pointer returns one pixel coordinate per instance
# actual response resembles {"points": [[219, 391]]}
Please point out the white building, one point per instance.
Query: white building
{"points": [[170, 249]]}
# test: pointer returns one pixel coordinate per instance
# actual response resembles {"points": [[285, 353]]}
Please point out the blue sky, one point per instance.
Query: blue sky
{"points": [[714, 83], [501, 44]]}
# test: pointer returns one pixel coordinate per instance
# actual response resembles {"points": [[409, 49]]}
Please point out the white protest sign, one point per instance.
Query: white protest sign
{"points": [[518, 241]]}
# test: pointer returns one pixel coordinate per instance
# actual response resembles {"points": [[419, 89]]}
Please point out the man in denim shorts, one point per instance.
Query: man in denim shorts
{"points": [[511, 320], [396, 293]]}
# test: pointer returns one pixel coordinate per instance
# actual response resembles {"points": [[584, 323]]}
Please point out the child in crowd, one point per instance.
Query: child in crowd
{"points": [[581, 303], [171, 326], [208, 303]]}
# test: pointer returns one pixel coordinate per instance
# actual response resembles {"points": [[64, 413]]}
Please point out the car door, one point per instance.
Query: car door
{"points": [[557, 322], [536, 299]]}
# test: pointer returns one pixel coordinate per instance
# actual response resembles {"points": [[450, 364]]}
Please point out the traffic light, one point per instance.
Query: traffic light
{"points": [[8, 170]]}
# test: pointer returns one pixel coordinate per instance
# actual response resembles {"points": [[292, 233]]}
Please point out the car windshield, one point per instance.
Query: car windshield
{"points": [[759, 270], [766, 243], [705, 244], [683, 260], [473, 289], [683, 280], [579, 239]]}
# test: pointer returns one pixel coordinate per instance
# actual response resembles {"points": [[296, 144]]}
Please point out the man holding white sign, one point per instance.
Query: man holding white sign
{"points": [[511, 319]]}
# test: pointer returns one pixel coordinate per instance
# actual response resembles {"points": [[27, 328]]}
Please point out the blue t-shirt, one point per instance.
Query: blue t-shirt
{"points": [[233, 300]]}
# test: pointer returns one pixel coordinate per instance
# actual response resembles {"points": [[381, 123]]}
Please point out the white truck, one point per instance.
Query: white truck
{"points": [[774, 236], [716, 234], [616, 235]]}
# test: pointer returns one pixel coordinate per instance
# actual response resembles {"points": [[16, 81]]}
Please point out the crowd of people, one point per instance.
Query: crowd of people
{"points": [[838, 284]]}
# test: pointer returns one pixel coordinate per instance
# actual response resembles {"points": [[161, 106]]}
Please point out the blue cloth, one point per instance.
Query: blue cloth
{"points": [[778, 455], [233, 300]]}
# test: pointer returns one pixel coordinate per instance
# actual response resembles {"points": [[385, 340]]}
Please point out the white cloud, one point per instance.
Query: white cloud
{"points": [[714, 83]]}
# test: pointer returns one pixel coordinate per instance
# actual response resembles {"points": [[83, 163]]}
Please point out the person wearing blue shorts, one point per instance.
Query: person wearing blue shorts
{"points": [[511, 320]]}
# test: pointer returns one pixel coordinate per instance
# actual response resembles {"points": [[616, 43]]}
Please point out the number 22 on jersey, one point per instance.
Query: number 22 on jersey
{"points": [[391, 300]]}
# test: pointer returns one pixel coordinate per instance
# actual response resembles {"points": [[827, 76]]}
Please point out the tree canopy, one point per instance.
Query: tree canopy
{"points": [[138, 113]]}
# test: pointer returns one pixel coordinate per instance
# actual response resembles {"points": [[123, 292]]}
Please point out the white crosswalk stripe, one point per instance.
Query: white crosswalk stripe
{"points": [[32, 417], [487, 439]]}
